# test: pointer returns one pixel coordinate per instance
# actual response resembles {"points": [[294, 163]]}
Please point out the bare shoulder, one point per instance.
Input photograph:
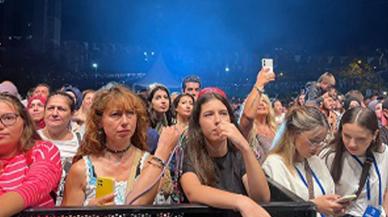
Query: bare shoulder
{"points": [[78, 172]]}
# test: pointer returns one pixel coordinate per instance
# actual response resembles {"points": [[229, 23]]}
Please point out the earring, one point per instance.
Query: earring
{"points": [[100, 132]]}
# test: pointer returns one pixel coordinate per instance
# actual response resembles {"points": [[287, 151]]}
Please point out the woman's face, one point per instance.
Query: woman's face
{"points": [[308, 143], [356, 138], [301, 99], [119, 126], [58, 112], [379, 110], [212, 114], [88, 100], [36, 110], [185, 106], [262, 108], [11, 129], [160, 102], [353, 104], [278, 107]]}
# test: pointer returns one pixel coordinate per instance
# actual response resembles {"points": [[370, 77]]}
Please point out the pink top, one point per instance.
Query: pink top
{"points": [[33, 174]]}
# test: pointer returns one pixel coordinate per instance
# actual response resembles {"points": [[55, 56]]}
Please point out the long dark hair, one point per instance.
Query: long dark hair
{"points": [[151, 112], [196, 145], [178, 99], [364, 118]]}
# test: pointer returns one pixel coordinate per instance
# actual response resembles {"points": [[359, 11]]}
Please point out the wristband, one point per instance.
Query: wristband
{"points": [[155, 164], [160, 161], [260, 90]]}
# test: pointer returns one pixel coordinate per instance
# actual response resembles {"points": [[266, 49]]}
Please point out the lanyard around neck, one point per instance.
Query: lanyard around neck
{"points": [[368, 191], [315, 178]]}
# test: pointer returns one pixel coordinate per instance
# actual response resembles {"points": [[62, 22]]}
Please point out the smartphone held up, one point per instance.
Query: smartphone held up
{"points": [[267, 63]]}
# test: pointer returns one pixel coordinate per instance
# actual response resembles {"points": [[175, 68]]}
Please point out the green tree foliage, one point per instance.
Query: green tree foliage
{"points": [[361, 76]]}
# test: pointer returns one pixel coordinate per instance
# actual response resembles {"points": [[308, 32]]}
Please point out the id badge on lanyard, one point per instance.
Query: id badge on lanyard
{"points": [[372, 211]]}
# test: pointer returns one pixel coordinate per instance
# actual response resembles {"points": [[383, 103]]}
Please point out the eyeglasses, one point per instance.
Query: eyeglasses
{"points": [[318, 143], [8, 119]]}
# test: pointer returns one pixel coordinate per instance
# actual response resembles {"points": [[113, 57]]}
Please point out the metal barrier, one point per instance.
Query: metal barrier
{"points": [[284, 203], [276, 209]]}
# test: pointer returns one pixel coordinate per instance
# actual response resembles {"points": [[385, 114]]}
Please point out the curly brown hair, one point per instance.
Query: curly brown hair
{"points": [[117, 97], [29, 135]]}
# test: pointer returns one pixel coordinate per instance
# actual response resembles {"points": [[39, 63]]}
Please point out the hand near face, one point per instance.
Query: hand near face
{"points": [[230, 131]]}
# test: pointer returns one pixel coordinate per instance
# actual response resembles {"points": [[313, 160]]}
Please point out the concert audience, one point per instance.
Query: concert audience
{"points": [[293, 162], [219, 167], [116, 136], [30, 168], [358, 152]]}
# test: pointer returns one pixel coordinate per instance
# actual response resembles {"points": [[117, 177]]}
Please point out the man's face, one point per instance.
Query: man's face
{"points": [[41, 91], [192, 88], [325, 85], [328, 103]]}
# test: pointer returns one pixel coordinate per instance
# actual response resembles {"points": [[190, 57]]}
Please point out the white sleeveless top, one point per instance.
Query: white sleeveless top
{"points": [[120, 186]]}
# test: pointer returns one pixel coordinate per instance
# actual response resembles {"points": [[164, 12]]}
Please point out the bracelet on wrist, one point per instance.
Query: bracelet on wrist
{"points": [[158, 160], [260, 90], [155, 164]]}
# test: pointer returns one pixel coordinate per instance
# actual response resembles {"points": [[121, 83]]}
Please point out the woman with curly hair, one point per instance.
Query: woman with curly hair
{"points": [[114, 146]]}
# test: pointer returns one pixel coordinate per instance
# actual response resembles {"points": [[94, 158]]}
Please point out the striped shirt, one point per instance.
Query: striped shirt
{"points": [[33, 175]]}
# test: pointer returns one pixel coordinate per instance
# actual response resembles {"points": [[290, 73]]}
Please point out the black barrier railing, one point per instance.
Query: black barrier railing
{"points": [[276, 209], [284, 204], [281, 194]]}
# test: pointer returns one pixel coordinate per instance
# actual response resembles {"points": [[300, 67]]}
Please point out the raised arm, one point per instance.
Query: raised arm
{"points": [[249, 113], [167, 141]]}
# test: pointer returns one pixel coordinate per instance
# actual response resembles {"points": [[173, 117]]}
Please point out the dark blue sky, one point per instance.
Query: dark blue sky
{"points": [[315, 26]]}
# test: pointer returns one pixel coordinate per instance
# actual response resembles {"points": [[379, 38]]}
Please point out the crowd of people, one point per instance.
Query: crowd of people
{"points": [[193, 147]]}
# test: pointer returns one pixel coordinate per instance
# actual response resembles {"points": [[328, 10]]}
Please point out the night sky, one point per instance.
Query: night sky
{"points": [[316, 26]]}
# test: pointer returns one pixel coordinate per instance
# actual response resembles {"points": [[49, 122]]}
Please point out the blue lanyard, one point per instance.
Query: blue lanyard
{"points": [[368, 192], [315, 178]]}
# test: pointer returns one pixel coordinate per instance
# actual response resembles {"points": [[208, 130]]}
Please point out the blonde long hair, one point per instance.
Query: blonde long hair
{"points": [[298, 119], [269, 120]]}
